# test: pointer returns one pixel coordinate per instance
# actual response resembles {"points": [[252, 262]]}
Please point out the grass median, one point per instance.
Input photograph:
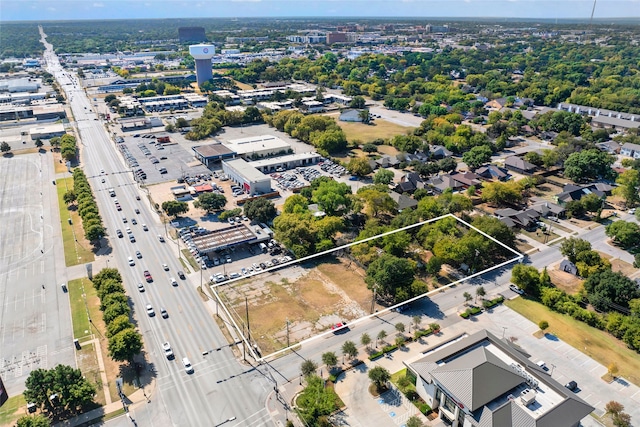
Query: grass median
{"points": [[597, 344], [74, 252]]}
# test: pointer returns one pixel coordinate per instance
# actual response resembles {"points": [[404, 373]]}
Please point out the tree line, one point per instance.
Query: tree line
{"points": [[87, 206]]}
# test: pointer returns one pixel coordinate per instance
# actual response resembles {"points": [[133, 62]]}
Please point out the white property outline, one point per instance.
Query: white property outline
{"points": [[519, 257]]}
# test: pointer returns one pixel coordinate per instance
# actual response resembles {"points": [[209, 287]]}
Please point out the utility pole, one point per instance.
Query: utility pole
{"points": [[287, 333], [246, 307]]}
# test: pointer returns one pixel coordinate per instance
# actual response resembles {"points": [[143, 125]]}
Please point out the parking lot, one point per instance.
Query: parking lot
{"points": [[158, 162]]}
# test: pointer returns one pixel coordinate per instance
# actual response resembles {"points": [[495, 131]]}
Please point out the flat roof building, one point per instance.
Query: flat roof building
{"points": [[482, 380], [251, 179], [256, 147], [48, 131], [286, 162], [212, 153]]}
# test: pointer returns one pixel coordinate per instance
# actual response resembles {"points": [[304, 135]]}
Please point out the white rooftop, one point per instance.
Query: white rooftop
{"points": [[257, 144]]}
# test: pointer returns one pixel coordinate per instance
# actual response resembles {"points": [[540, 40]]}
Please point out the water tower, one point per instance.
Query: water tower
{"points": [[203, 53]]}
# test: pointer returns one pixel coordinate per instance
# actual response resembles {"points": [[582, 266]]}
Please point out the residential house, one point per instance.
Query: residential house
{"points": [[573, 192], [525, 219], [493, 172], [388, 161], [611, 147], [482, 380], [630, 150], [545, 209], [467, 179], [439, 152], [568, 267], [519, 165], [455, 181], [403, 201], [351, 116], [409, 183]]}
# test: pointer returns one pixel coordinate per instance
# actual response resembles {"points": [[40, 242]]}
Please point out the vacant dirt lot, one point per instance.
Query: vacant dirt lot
{"points": [[310, 298], [565, 281]]}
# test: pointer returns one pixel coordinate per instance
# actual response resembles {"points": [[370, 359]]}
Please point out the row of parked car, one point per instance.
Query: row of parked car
{"points": [[332, 168]]}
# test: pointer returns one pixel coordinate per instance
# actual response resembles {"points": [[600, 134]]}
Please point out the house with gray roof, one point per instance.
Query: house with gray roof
{"points": [[493, 172], [526, 219], [482, 380], [403, 201], [439, 152], [520, 165], [573, 192], [630, 150]]}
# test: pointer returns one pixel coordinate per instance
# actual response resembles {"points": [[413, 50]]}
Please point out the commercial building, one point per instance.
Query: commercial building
{"points": [[47, 132], [290, 161], [19, 85], [251, 179], [215, 241], [212, 153], [482, 380], [336, 38], [257, 147], [49, 112]]}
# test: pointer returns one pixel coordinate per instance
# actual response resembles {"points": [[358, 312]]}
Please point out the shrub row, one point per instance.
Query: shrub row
{"points": [[87, 207], [625, 328], [493, 302], [471, 311], [434, 327], [124, 341], [68, 146]]}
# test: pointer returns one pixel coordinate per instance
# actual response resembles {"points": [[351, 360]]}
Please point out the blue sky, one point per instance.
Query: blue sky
{"points": [[14, 10]]}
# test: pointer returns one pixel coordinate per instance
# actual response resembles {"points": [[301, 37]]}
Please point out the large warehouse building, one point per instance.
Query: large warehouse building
{"points": [[257, 147], [251, 179]]}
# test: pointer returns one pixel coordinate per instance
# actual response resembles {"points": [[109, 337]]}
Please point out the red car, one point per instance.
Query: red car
{"points": [[339, 327], [147, 276]]}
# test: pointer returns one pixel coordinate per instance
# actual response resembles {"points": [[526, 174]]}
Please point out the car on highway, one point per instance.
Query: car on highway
{"points": [[181, 275], [140, 287], [124, 219], [187, 365], [128, 230], [150, 311], [147, 276], [173, 281], [132, 238], [119, 233], [160, 238], [137, 197], [133, 221], [131, 261], [165, 267], [138, 254], [516, 289], [339, 328], [144, 227], [137, 210], [118, 207], [168, 352], [542, 365], [163, 313]]}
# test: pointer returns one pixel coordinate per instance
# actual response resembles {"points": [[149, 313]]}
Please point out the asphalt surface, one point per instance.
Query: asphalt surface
{"points": [[220, 388]]}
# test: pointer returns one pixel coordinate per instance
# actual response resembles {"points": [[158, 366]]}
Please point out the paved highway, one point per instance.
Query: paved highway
{"points": [[220, 388]]}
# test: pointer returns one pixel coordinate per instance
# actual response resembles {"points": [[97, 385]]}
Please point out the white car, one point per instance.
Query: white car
{"points": [[131, 262], [632, 211], [167, 350], [144, 227], [187, 365], [165, 267], [516, 289], [150, 310], [173, 281]]}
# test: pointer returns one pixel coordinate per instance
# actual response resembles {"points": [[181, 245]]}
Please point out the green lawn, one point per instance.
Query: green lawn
{"points": [[10, 411], [74, 253], [597, 344], [79, 318]]}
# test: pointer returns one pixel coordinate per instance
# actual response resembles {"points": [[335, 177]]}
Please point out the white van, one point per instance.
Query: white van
{"points": [[263, 248]]}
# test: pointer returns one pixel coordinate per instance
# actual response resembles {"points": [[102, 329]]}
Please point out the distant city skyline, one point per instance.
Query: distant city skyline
{"points": [[53, 10]]}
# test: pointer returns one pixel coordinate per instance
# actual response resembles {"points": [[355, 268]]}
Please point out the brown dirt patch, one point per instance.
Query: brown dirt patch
{"points": [[618, 265], [59, 166], [566, 281], [350, 278]]}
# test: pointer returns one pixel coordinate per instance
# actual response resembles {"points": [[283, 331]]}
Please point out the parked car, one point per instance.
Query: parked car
{"points": [[516, 289], [572, 385], [340, 327]]}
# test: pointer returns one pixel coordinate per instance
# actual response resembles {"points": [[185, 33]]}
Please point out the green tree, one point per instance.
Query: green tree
{"points": [[174, 208], [260, 210], [332, 196], [414, 421], [480, 292], [543, 324], [210, 202], [124, 345], [572, 246], [477, 156], [379, 376], [330, 359], [72, 389], [357, 102], [370, 148], [5, 147], [416, 321], [349, 349], [38, 420], [606, 290], [400, 327], [591, 202], [391, 277], [588, 165], [308, 368], [502, 193], [527, 278], [69, 197], [467, 296], [118, 324], [624, 233], [383, 176], [39, 143], [365, 340], [316, 402], [628, 183], [381, 336], [359, 166]]}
